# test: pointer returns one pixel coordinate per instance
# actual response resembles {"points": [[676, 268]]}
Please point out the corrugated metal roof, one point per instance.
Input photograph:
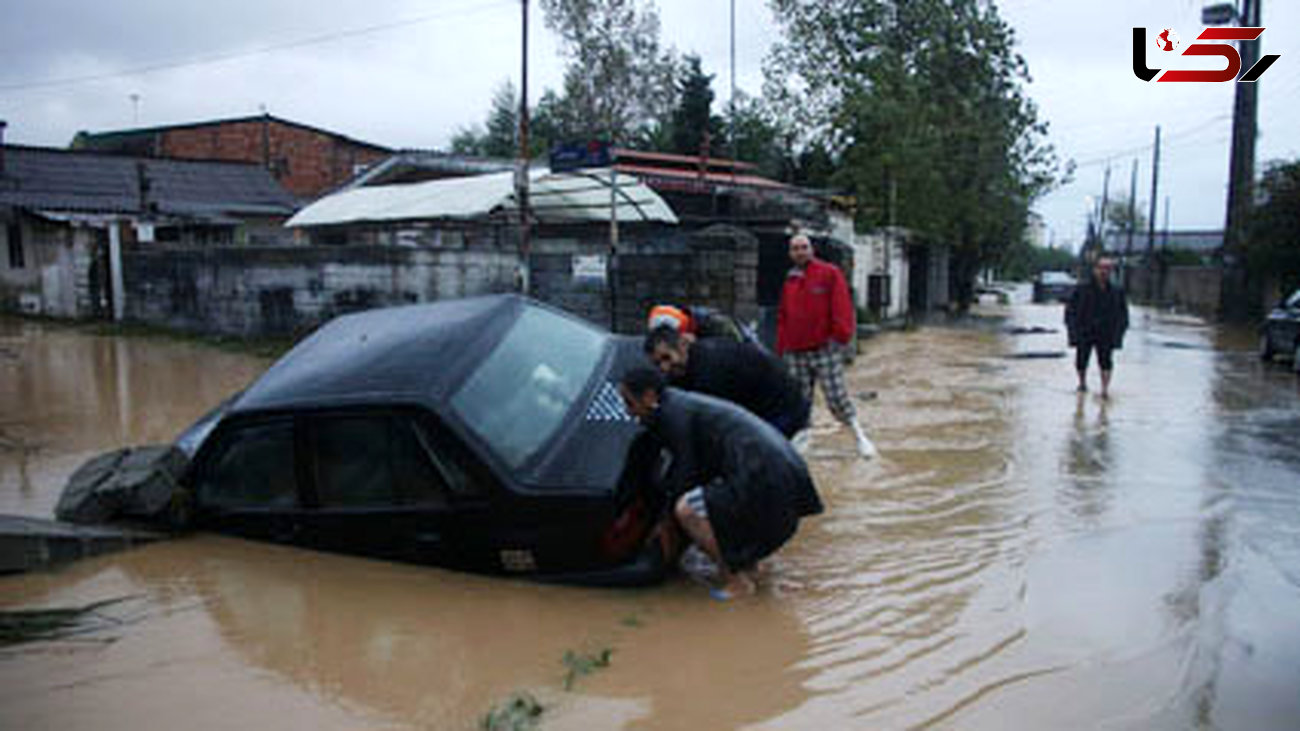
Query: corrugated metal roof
{"points": [[554, 198], [63, 180]]}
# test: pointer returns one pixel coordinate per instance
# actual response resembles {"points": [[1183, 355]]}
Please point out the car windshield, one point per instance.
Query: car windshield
{"points": [[1057, 278], [518, 397]]}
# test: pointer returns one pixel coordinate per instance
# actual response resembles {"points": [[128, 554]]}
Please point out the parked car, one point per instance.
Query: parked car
{"points": [[484, 434], [1053, 287], [1280, 332]]}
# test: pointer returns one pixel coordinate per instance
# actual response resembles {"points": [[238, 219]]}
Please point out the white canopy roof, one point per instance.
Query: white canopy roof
{"points": [[554, 197]]}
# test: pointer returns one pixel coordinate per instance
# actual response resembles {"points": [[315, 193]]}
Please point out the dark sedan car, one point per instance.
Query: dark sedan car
{"points": [[1280, 332], [483, 434], [1053, 287]]}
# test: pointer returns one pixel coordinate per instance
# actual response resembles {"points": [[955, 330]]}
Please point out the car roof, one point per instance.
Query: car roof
{"points": [[411, 354]]}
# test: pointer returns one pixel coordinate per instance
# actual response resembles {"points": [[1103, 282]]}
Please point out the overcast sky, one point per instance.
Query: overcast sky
{"points": [[409, 73]]}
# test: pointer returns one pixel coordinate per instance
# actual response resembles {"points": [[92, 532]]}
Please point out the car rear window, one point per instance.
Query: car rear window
{"points": [[518, 397]]}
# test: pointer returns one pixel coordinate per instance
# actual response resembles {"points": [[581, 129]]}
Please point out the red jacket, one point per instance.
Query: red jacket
{"points": [[815, 308]]}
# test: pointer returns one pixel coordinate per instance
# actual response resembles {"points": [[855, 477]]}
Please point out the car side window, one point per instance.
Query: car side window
{"points": [[253, 468], [382, 460]]}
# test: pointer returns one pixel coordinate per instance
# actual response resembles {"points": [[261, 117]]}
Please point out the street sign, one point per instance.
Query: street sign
{"points": [[1221, 14], [589, 268], [594, 154]]}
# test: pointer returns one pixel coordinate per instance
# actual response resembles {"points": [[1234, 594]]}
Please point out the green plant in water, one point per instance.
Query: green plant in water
{"points": [[519, 712], [581, 663]]}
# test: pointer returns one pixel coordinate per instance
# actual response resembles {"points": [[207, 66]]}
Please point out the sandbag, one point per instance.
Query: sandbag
{"points": [[135, 482]]}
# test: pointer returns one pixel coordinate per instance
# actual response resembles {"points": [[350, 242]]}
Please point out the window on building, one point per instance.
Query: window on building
{"points": [[14, 235]]}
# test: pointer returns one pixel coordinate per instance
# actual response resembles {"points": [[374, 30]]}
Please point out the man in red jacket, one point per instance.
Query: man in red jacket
{"points": [[814, 326]]}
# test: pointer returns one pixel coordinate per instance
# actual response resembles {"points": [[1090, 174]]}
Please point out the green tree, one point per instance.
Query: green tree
{"points": [[754, 134], [693, 118], [920, 102], [1273, 237], [498, 137], [618, 80], [502, 138]]}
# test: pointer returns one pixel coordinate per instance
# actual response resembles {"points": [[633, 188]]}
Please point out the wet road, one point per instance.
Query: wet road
{"points": [[1022, 556]]}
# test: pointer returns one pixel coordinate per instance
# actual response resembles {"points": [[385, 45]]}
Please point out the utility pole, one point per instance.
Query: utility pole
{"points": [[1132, 222], [732, 102], [1236, 300], [1151, 219], [1101, 225], [521, 167]]}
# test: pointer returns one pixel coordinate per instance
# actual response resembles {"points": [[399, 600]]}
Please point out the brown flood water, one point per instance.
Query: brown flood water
{"points": [[1021, 557]]}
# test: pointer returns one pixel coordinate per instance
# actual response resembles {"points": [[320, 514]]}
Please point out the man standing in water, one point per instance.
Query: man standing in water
{"points": [[737, 487], [1096, 317], [814, 325]]}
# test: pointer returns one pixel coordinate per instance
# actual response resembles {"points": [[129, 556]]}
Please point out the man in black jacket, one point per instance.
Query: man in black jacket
{"points": [[737, 487], [739, 372], [1097, 317]]}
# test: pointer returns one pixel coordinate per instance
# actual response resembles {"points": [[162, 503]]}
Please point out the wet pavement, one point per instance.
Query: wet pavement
{"points": [[1022, 556]]}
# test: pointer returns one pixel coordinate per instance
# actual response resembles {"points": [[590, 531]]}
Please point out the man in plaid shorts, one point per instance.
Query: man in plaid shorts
{"points": [[814, 326]]}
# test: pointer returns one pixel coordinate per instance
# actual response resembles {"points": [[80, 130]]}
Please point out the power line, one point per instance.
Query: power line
{"points": [[231, 55], [1103, 158]]}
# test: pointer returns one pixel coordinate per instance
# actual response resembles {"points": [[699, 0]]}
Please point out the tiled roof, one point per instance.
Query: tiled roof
{"points": [[62, 180]]}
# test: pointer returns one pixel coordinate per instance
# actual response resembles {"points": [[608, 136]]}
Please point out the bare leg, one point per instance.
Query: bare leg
{"points": [[701, 532]]}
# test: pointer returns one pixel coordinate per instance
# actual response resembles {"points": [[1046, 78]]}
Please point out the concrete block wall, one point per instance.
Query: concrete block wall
{"points": [[713, 268], [288, 291], [1195, 288]]}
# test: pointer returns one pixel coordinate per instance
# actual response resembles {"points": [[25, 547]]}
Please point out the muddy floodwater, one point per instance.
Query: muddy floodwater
{"points": [[1022, 556]]}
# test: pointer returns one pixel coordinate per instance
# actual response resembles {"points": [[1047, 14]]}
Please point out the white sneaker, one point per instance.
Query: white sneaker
{"points": [[866, 449], [696, 564], [801, 441]]}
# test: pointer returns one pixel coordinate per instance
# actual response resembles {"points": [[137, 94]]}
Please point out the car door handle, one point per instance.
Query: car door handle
{"points": [[428, 539]]}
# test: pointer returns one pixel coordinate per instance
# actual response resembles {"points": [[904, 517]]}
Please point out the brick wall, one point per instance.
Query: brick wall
{"points": [[306, 162]]}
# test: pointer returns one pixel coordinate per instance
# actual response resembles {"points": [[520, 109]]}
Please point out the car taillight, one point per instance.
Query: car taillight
{"points": [[625, 534]]}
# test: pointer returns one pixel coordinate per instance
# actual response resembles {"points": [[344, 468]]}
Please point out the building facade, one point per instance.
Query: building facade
{"points": [[306, 160]]}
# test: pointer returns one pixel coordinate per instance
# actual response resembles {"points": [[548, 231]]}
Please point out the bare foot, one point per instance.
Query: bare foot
{"points": [[740, 584]]}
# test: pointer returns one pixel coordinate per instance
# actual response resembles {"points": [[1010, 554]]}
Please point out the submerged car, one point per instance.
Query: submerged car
{"points": [[484, 434], [1280, 332], [1053, 287]]}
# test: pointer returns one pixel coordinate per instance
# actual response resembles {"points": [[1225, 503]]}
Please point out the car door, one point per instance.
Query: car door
{"points": [[391, 484], [248, 482], [1290, 324]]}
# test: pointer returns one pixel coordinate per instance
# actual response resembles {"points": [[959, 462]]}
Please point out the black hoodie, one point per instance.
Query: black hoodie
{"points": [[756, 485]]}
